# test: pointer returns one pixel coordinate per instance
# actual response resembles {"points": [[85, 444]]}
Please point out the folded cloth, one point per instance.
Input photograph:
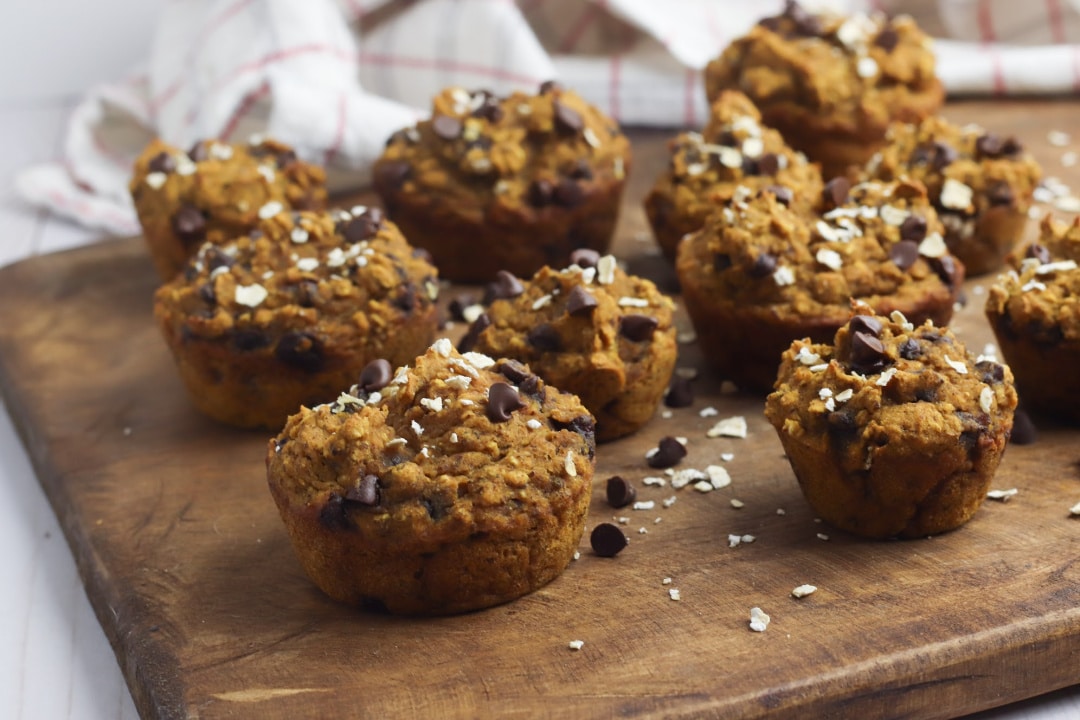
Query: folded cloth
{"points": [[335, 79]]}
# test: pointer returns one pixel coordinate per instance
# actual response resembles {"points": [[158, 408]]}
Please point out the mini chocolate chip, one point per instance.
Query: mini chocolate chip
{"points": [[1000, 194], [764, 266], [584, 258], [913, 228], [530, 385], [285, 158], [989, 145], [364, 226], [944, 155], [841, 424], [768, 164], [836, 191], [162, 162], [544, 338], [583, 425], [489, 108], [806, 24], [910, 349], [307, 293], [680, 393], [607, 540], [887, 39], [458, 304], [189, 224], [992, 373], [392, 174], [1011, 146], [513, 371], [376, 375], [581, 170], [865, 323], [198, 151], [1039, 252], [580, 301], [366, 492], [721, 262], [783, 195], [749, 166], [637, 328], [1024, 431], [948, 269], [300, 350], [503, 287], [446, 127], [549, 85], [727, 139], [867, 353], [502, 401], [468, 342], [772, 24], [333, 515], [568, 193], [669, 452], [248, 340], [215, 258], [405, 300], [567, 119], [619, 491], [540, 192], [207, 294], [922, 154]]}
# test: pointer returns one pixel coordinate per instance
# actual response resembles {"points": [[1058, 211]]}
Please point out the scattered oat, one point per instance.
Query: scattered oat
{"points": [[734, 540], [657, 481], [270, 209], [1057, 138], [667, 414], [577, 644], [986, 399], [781, 511], [666, 581], [533, 424], [1075, 510], [885, 377], [718, 476], [703, 486], [686, 337], [727, 457], [432, 404], [955, 195], [668, 502], [933, 246], [568, 463], [1068, 203], [687, 373], [644, 505], [605, 270], [1002, 495], [758, 619], [542, 301], [674, 594], [803, 590], [806, 356], [728, 427], [708, 411], [822, 536], [156, 180], [309, 264], [830, 258], [737, 504], [417, 428], [784, 276]]}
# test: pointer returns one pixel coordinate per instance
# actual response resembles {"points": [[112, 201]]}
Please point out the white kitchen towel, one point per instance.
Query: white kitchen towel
{"points": [[335, 78]]}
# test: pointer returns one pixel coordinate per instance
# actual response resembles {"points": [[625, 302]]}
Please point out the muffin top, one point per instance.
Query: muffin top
{"points": [[454, 445], [1041, 296], [874, 241], [216, 190], [829, 63], [527, 151], [350, 273], [966, 170]]}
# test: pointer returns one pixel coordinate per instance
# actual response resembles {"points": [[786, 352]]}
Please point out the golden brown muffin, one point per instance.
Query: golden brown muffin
{"points": [[291, 313], [453, 485], [592, 330], [832, 84], [705, 169], [894, 430], [1035, 314], [215, 192], [760, 275], [980, 183], [513, 183]]}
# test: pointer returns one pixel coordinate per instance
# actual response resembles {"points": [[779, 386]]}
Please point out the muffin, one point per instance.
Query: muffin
{"points": [[981, 185], [705, 169], [456, 484], [759, 275], [291, 313], [513, 183], [893, 430], [592, 330], [215, 192], [832, 84], [1035, 314]]}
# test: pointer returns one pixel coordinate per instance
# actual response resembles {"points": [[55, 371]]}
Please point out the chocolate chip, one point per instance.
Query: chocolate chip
{"points": [[1011, 146], [366, 492], [913, 228], [364, 226], [468, 342], [405, 300], [1039, 252], [1023, 429], [285, 158], [922, 154], [867, 353], [749, 166], [489, 108], [887, 39], [607, 540], [300, 350], [333, 515], [806, 24], [768, 164], [989, 145], [502, 401], [990, 372], [944, 155], [214, 258], [544, 338], [841, 424], [549, 85], [458, 304], [503, 287], [207, 294], [580, 301], [568, 193], [637, 328], [910, 349], [392, 174], [446, 127], [1000, 194], [771, 24], [948, 269], [669, 452], [581, 170], [721, 262], [540, 192], [248, 340], [567, 119], [307, 293], [513, 371], [198, 151], [189, 224], [376, 375], [162, 162], [783, 195], [929, 395], [585, 258], [866, 324], [620, 492], [531, 387], [836, 191], [680, 393], [764, 266]]}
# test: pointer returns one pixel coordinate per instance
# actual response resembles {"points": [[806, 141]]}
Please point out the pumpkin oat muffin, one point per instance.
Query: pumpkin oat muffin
{"points": [[1035, 313], [832, 84], [705, 169], [215, 192], [513, 183], [759, 275], [592, 330], [980, 183], [893, 430], [456, 484], [291, 313]]}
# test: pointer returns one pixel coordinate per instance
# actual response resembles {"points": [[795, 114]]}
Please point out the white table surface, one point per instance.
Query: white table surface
{"points": [[55, 662]]}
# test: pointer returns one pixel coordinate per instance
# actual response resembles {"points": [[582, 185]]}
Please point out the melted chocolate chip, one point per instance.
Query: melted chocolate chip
{"points": [[669, 452], [489, 108], [207, 294], [619, 491], [531, 387], [567, 119], [607, 540], [405, 300], [637, 328], [365, 493], [1011, 146], [215, 258], [364, 226], [910, 349], [333, 515], [581, 170], [468, 342], [1039, 252], [904, 253], [841, 424], [502, 401], [162, 162], [198, 151], [913, 228], [1000, 194], [721, 262], [836, 191], [189, 225], [540, 192], [544, 338], [750, 166], [446, 127], [866, 324], [768, 164], [307, 293], [926, 395], [584, 258], [513, 371], [376, 375], [990, 372], [680, 393], [989, 145], [943, 156], [783, 195], [568, 193], [806, 24], [948, 269], [503, 287], [1024, 431], [867, 353], [392, 174], [764, 266], [300, 350], [248, 340], [580, 301], [583, 425], [887, 39]]}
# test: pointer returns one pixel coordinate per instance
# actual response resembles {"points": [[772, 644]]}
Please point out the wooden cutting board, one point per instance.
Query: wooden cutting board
{"points": [[194, 581]]}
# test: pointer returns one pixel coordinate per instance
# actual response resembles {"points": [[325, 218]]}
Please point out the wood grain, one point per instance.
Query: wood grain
{"points": [[193, 579]]}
